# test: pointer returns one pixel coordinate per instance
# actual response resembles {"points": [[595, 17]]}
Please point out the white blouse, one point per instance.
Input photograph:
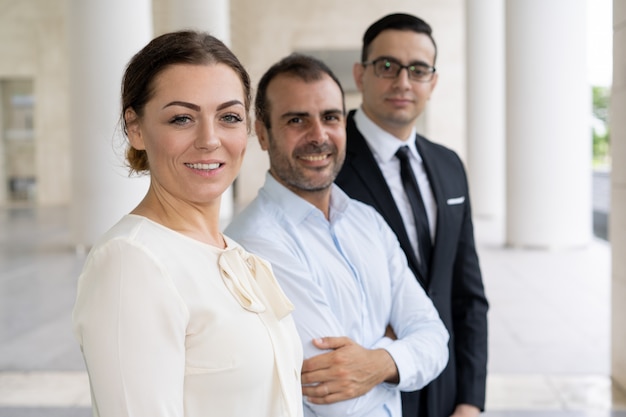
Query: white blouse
{"points": [[170, 326]]}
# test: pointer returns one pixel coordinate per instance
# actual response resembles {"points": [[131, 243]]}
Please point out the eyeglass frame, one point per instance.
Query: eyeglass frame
{"points": [[429, 68]]}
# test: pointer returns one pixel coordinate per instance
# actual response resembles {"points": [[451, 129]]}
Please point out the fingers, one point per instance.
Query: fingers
{"points": [[319, 390], [317, 363], [331, 342], [323, 394]]}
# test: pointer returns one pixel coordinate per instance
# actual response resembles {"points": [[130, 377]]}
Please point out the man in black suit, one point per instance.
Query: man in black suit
{"points": [[443, 257]]}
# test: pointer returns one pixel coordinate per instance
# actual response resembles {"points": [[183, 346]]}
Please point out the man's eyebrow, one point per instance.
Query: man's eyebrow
{"points": [[332, 111], [290, 114], [394, 59]]}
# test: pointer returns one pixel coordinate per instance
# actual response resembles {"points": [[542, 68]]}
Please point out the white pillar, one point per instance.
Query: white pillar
{"points": [[617, 226], [213, 17], [548, 131], [4, 195], [103, 37], [486, 108]]}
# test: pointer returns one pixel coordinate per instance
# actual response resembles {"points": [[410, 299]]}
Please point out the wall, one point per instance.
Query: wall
{"points": [[264, 32], [33, 46]]}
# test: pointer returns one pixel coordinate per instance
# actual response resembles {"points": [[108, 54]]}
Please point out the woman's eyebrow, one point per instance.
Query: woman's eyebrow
{"points": [[184, 104]]}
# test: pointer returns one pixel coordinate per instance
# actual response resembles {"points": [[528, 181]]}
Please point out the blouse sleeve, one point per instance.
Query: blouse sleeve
{"points": [[130, 322]]}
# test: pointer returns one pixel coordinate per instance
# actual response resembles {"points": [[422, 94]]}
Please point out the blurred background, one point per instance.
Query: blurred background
{"points": [[531, 95]]}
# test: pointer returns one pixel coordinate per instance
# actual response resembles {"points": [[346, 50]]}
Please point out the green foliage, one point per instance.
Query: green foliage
{"points": [[601, 136]]}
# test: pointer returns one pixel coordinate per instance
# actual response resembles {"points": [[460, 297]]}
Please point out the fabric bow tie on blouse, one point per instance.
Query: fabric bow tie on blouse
{"points": [[251, 281]]}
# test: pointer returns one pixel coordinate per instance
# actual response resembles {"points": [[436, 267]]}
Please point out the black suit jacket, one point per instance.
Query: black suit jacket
{"points": [[454, 282]]}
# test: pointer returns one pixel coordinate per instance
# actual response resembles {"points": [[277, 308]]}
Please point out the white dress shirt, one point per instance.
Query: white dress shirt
{"points": [[384, 147], [346, 276]]}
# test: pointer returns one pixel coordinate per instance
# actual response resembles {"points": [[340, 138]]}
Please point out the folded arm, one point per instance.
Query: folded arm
{"points": [[346, 371]]}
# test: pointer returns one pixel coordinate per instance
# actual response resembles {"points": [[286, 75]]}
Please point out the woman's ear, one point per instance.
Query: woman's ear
{"points": [[133, 129]]}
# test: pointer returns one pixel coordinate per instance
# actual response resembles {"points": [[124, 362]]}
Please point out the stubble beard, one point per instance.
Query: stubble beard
{"points": [[296, 177]]}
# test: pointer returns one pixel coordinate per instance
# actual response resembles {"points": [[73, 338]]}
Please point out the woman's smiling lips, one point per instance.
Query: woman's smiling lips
{"points": [[204, 166]]}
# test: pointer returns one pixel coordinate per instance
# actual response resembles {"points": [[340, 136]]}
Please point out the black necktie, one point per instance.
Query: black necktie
{"points": [[417, 204]]}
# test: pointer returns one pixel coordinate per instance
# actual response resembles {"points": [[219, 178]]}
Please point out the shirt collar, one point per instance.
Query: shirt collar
{"points": [[296, 208], [383, 144]]}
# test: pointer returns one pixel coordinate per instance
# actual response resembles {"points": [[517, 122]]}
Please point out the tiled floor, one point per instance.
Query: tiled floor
{"points": [[549, 324]]}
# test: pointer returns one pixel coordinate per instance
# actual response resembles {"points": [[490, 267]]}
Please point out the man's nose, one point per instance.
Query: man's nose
{"points": [[403, 79], [319, 131]]}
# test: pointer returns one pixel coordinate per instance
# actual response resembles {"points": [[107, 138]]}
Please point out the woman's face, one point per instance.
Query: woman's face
{"points": [[194, 131]]}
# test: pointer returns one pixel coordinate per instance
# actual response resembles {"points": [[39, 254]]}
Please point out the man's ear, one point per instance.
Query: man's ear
{"points": [[433, 83], [357, 72], [262, 134], [133, 129]]}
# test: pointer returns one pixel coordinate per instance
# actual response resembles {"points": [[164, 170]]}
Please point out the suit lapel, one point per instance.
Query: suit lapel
{"points": [[435, 182], [361, 162]]}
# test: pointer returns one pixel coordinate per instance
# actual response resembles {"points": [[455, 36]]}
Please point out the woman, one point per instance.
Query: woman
{"points": [[174, 318]]}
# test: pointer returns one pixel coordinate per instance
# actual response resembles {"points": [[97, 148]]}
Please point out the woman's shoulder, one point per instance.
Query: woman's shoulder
{"points": [[139, 231], [129, 226]]}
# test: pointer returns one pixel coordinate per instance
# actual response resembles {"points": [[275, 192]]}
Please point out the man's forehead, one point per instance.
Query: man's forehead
{"points": [[304, 96], [412, 43]]}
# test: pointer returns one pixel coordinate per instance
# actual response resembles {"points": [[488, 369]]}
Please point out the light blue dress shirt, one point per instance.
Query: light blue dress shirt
{"points": [[346, 277]]}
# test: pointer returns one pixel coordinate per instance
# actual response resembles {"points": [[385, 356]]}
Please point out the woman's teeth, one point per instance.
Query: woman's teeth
{"points": [[214, 165]]}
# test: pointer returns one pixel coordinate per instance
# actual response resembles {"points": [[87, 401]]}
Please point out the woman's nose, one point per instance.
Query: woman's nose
{"points": [[207, 138]]}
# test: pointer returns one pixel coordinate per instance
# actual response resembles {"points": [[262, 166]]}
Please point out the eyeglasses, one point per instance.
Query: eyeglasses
{"points": [[390, 68]]}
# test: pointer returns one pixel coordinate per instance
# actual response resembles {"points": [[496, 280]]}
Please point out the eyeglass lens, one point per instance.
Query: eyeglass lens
{"points": [[388, 68]]}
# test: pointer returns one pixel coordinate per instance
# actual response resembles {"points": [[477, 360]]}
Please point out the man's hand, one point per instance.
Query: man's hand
{"points": [[466, 410], [348, 371]]}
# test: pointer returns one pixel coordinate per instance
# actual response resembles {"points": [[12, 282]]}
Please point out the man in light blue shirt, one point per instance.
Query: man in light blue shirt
{"points": [[368, 329]]}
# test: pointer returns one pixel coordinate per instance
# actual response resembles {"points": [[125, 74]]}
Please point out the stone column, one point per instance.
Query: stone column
{"points": [[4, 194], [548, 130], [214, 17], [103, 36], [617, 221], [486, 109]]}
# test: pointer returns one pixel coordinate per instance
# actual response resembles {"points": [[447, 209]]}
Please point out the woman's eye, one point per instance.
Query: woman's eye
{"points": [[180, 120], [232, 118]]}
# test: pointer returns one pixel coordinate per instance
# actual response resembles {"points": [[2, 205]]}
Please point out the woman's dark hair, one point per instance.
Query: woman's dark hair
{"points": [[182, 47]]}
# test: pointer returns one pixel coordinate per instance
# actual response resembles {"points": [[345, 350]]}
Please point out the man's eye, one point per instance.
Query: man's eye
{"points": [[295, 120], [388, 66]]}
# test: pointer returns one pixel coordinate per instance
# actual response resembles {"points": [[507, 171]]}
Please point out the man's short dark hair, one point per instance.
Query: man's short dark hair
{"points": [[395, 21], [305, 67]]}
